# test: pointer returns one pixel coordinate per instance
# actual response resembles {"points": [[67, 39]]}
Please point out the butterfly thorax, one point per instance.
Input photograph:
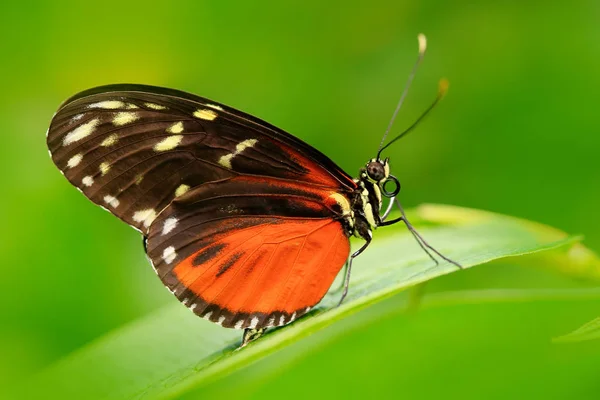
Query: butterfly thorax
{"points": [[366, 199]]}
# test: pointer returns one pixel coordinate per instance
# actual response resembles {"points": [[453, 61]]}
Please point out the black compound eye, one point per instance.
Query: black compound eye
{"points": [[391, 187], [375, 171]]}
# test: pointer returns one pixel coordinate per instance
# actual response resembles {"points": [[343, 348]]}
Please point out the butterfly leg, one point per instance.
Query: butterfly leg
{"points": [[388, 209], [341, 287], [349, 269], [410, 228], [417, 237], [250, 335], [422, 242]]}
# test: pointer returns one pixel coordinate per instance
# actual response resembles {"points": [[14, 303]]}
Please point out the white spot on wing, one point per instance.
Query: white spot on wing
{"points": [[75, 160], [293, 317], [109, 141], [253, 323], [271, 321], [145, 216], [155, 106], [73, 120], [221, 320], [216, 107], [177, 127], [207, 315], [104, 168], [181, 189], [245, 144], [168, 143], [206, 114], [170, 224], [80, 132], [111, 201], [124, 118], [107, 105], [282, 320], [169, 255], [193, 306], [87, 181], [238, 325], [226, 159]]}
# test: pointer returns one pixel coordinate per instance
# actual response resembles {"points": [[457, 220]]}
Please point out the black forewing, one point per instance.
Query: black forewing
{"points": [[133, 148]]}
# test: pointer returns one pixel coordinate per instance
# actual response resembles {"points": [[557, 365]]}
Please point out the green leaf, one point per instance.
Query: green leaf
{"points": [[589, 331], [171, 350]]}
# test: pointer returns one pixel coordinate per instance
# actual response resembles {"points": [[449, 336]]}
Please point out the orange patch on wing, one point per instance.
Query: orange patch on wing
{"points": [[316, 173], [270, 267]]}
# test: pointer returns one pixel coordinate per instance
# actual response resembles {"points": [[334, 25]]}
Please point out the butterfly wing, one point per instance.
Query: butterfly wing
{"points": [[244, 222], [250, 252], [133, 149]]}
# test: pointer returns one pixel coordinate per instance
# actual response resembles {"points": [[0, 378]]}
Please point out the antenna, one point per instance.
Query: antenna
{"points": [[442, 90], [422, 47]]}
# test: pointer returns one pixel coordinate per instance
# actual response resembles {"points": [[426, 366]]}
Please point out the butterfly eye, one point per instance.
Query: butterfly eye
{"points": [[391, 187], [375, 171]]}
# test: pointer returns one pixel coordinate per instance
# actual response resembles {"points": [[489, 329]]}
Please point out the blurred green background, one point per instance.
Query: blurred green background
{"points": [[518, 133]]}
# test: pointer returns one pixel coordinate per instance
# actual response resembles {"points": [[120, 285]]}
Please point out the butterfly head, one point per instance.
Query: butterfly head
{"points": [[377, 171]]}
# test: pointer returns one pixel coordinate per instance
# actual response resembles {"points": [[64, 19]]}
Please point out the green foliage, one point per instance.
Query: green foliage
{"points": [[171, 351], [588, 331]]}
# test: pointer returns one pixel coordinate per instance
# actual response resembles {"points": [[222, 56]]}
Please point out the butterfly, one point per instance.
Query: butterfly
{"points": [[245, 224]]}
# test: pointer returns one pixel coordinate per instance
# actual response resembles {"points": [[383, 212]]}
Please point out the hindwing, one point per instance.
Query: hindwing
{"points": [[250, 252]]}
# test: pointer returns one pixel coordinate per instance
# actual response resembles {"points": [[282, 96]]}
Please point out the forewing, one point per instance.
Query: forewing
{"points": [[132, 149], [250, 252]]}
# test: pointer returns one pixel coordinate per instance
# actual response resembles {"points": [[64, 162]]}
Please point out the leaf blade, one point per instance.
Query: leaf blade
{"points": [[172, 350], [588, 331]]}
